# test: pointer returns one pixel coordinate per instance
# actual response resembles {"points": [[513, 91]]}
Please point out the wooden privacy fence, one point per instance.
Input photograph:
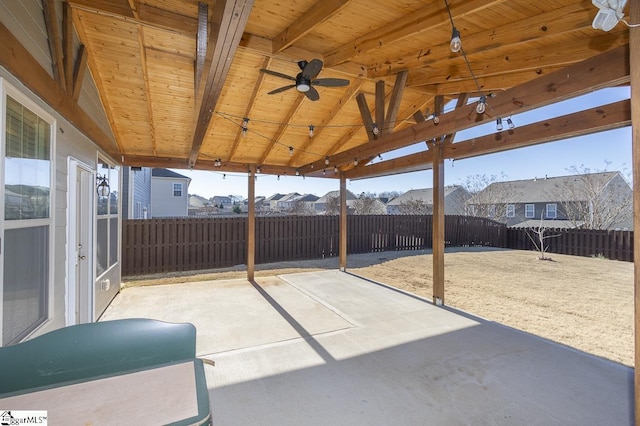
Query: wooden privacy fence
{"points": [[185, 244], [614, 245]]}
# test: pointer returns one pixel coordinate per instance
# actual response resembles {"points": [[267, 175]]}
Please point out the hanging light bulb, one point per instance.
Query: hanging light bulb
{"points": [[245, 124], [311, 130], [456, 43], [324, 172], [375, 129], [224, 176], [258, 170], [510, 124], [355, 161], [380, 157], [326, 160], [278, 177], [436, 119], [297, 172], [499, 125], [335, 169], [482, 105], [290, 151]]}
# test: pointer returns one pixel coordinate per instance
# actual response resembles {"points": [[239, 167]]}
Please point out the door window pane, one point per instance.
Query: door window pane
{"points": [[25, 278]]}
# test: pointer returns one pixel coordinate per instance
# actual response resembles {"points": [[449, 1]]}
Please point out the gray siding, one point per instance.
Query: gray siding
{"points": [[163, 203]]}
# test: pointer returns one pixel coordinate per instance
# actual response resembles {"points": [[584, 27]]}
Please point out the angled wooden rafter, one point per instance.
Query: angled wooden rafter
{"points": [[79, 70], [365, 113], [605, 70], [201, 42], [55, 46], [354, 87], [316, 15], [229, 20], [394, 102], [19, 62], [411, 24], [250, 104]]}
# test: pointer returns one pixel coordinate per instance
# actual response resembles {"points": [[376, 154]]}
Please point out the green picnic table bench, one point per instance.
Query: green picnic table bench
{"points": [[140, 371]]}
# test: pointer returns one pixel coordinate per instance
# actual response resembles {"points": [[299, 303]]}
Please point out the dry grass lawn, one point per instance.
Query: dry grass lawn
{"points": [[582, 302]]}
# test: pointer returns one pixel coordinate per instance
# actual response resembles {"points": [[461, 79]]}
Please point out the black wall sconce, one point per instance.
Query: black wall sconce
{"points": [[103, 185]]}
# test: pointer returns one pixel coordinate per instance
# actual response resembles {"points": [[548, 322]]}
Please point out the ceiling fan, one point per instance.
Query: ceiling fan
{"points": [[306, 79]]}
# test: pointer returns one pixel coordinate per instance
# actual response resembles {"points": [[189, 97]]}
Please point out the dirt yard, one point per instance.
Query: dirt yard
{"points": [[582, 302]]}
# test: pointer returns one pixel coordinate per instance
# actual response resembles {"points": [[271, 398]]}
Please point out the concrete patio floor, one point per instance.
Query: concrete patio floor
{"points": [[328, 347]]}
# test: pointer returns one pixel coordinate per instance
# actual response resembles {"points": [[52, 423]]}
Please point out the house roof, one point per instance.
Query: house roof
{"points": [[157, 172], [335, 194], [308, 198], [423, 194], [540, 190], [161, 116], [197, 201], [275, 197]]}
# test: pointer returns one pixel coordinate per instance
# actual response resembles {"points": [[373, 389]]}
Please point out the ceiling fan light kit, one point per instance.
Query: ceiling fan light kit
{"points": [[306, 79]]}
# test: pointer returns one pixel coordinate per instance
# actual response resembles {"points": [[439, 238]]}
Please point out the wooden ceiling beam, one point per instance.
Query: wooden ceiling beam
{"points": [[19, 62], [264, 46], [229, 20], [380, 89], [462, 101], [598, 119], [67, 44], [571, 18], [353, 88], [79, 70], [510, 60], [419, 21], [365, 113], [201, 43], [605, 70], [316, 15]]}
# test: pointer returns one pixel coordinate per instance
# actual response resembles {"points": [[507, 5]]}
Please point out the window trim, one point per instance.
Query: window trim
{"points": [[510, 210], [174, 185], [526, 211], [492, 210], [555, 211], [40, 109]]}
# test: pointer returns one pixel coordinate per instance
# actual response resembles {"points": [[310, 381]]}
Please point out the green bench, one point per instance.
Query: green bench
{"points": [[119, 354]]}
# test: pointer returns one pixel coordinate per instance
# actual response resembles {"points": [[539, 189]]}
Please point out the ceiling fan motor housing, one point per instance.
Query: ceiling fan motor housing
{"points": [[302, 84]]}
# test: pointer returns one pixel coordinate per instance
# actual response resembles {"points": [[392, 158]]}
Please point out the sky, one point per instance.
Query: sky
{"points": [[549, 159]]}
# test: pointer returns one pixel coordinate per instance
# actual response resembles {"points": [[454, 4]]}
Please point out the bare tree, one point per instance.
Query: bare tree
{"points": [[596, 200], [488, 197], [412, 206], [333, 205], [538, 236], [368, 203], [300, 208]]}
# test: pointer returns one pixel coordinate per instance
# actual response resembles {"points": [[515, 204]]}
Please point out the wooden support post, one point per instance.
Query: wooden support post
{"points": [[438, 223], [343, 222], [634, 63], [251, 225]]}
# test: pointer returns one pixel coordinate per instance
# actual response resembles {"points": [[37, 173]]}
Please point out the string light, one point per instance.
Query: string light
{"points": [[355, 161], [380, 157], [510, 124], [482, 105], [375, 129], [290, 151], [326, 160], [278, 177], [436, 119], [224, 176], [499, 125], [245, 124], [311, 130], [297, 172], [456, 43], [258, 170], [335, 169], [324, 172]]}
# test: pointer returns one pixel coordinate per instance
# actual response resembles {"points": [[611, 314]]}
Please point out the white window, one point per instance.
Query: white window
{"points": [[177, 190], [27, 170], [552, 210], [107, 224], [511, 210], [471, 210], [492, 211], [529, 210]]}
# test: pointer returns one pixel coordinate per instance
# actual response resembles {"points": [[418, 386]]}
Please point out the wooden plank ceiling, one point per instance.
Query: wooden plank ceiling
{"points": [[177, 77]]}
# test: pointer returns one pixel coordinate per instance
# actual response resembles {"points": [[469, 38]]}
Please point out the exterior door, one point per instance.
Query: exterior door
{"points": [[80, 297]]}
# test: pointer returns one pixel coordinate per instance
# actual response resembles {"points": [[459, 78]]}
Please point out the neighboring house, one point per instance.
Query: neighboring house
{"points": [[420, 201], [272, 201], [200, 206], [222, 201], [287, 201], [329, 203], [169, 194], [136, 193], [300, 204], [594, 200]]}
